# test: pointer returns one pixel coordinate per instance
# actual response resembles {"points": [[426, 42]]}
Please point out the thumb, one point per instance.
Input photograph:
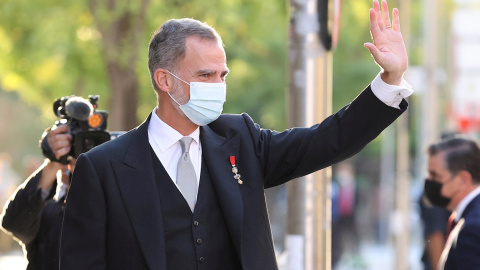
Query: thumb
{"points": [[373, 49]]}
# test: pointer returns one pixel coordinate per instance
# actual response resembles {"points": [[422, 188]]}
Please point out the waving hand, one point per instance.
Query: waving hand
{"points": [[388, 48]]}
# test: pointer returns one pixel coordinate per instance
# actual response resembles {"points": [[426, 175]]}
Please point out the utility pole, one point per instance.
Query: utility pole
{"points": [[402, 194], [430, 99], [308, 240]]}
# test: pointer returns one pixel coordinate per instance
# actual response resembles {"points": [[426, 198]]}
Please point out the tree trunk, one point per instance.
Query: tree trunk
{"points": [[121, 27], [122, 112]]}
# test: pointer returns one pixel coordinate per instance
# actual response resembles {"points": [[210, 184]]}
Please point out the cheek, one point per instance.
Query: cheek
{"points": [[182, 93], [445, 192], [448, 190]]}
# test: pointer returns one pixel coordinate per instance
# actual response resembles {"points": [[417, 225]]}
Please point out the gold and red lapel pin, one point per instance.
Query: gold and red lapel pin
{"points": [[235, 170]]}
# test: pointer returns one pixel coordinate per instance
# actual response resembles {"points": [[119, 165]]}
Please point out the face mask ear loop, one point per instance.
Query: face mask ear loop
{"points": [[177, 77], [173, 99], [180, 80]]}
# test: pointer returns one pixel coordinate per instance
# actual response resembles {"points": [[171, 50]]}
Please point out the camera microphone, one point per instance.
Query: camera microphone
{"points": [[78, 108]]}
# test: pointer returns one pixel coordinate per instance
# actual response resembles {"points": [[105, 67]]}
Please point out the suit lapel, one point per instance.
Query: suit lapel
{"points": [[136, 181], [216, 151]]}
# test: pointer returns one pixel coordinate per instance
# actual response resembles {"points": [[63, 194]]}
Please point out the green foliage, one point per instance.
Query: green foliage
{"points": [[53, 51]]}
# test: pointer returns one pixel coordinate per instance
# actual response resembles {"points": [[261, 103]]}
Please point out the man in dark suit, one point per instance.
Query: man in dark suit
{"points": [[454, 183], [128, 206], [34, 213]]}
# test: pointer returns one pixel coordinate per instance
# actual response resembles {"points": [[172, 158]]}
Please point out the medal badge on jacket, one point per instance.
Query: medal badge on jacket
{"points": [[236, 175]]}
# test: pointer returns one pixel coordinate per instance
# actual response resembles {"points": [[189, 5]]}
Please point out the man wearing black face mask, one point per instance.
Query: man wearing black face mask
{"points": [[454, 183]]}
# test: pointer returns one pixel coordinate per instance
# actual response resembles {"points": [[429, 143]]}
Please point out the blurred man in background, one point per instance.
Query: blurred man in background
{"points": [[34, 213], [435, 220], [454, 183]]}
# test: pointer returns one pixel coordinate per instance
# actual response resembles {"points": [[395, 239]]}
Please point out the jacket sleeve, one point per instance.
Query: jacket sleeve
{"points": [[21, 214], [302, 150], [84, 228]]}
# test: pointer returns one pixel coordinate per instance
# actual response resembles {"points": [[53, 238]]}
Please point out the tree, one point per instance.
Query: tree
{"points": [[121, 24]]}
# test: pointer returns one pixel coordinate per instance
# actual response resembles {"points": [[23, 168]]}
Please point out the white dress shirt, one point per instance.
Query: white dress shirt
{"points": [[389, 94], [165, 143]]}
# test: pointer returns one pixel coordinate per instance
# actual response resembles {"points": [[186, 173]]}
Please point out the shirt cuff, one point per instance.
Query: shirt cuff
{"points": [[391, 95]]}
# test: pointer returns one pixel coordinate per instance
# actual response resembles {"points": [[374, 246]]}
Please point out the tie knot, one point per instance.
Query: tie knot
{"points": [[185, 144]]}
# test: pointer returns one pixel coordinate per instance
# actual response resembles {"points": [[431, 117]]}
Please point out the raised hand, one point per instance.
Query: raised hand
{"points": [[388, 48]]}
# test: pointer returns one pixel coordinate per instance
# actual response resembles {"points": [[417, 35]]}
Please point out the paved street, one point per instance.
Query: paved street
{"points": [[371, 257]]}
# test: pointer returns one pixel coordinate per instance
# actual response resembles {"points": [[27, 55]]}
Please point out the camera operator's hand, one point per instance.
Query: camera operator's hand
{"points": [[60, 143], [59, 140]]}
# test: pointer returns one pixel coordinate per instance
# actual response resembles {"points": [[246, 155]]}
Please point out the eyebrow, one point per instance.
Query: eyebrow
{"points": [[211, 71]]}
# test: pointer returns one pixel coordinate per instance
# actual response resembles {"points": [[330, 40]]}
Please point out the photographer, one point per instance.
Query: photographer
{"points": [[34, 213]]}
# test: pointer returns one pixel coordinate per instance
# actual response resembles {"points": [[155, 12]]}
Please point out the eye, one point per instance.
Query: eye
{"points": [[224, 76], [204, 75]]}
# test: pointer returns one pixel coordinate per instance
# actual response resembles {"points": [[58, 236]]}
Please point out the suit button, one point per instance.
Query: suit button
{"points": [[195, 223], [201, 259], [199, 241]]}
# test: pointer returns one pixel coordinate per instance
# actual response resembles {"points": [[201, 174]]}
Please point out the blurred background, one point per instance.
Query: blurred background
{"points": [[52, 48]]}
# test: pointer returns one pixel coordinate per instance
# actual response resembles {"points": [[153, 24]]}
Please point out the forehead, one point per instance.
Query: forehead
{"points": [[201, 54], [437, 160], [437, 164]]}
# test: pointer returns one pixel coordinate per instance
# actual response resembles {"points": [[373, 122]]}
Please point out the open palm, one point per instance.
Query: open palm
{"points": [[388, 48]]}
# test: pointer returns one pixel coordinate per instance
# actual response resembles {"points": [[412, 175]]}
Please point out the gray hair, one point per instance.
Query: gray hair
{"points": [[167, 45]]}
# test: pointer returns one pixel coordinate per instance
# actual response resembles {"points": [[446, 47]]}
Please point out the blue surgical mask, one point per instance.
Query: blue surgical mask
{"points": [[206, 101]]}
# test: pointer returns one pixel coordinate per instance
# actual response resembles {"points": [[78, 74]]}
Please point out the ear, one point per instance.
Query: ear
{"points": [[466, 177], [163, 80]]}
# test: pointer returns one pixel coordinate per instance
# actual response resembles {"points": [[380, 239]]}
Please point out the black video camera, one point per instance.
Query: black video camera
{"points": [[88, 126]]}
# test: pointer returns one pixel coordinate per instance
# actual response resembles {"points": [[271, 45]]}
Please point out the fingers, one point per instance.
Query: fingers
{"points": [[374, 27], [385, 14], [58, 129], [382, 16], [59, 141], [60, 149], [378, 15], [396, 20]]}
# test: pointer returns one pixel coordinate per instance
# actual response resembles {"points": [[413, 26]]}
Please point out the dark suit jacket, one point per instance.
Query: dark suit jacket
{"points": [[35, 223], [113, 216], [462, 250]]}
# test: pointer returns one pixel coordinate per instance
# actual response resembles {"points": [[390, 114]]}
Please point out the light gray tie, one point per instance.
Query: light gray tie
{"points": [[186, 177]]}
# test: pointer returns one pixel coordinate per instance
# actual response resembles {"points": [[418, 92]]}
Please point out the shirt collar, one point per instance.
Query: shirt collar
{"points": [[164, 135], [463, 203]]}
